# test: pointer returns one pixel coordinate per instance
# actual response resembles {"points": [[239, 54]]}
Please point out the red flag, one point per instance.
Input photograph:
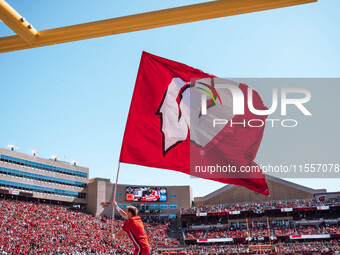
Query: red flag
{"points": [[165, 130]]}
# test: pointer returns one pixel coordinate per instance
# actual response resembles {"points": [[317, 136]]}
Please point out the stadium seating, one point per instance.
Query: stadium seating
{"points": [[307, 230], [237, 232], [29, 228], [216, 233], [282, 248], [157, 234], [195, 234], [315, 246], [259, 231], [283, 231], [255, 206], [330, 229]]}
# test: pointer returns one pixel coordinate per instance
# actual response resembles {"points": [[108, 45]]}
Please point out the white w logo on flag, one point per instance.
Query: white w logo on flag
{"points": [[180, 113]]}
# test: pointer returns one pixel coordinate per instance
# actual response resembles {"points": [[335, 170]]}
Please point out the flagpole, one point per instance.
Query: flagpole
{"points": [[114, 199]]}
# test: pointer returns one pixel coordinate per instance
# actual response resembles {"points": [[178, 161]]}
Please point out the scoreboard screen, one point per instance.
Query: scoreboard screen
{"points": [[146, 194]]}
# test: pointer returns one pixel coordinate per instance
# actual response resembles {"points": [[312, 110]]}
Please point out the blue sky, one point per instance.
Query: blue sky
{"points": [[72, 99]]}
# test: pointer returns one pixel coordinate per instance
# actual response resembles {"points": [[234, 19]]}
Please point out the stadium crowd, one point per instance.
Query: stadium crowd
{"points": [[313, 246], [216, 233], [259, 231], [157, 234], [211, 249], [307, 230], [195, 234], [30, 228], [235, 232], [329, 228], [255, 206], [281, 248], [283, 230], [240, 231]]}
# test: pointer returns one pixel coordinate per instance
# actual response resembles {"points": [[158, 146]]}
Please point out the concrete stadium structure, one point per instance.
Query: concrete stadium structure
{"points": [[42, 179], [101, 190], [29, 177], [279, 189]]}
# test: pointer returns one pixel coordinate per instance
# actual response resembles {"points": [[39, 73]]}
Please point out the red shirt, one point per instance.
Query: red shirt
{"points": [[135, 230]]}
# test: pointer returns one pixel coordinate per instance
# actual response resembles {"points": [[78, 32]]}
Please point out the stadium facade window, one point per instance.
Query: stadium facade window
{"points": [[126, 205], [27, 163], [163, 206], [38, 177], [45, 190], [173, 206], [164, 215], [172, 216], [154, 206], [119, 194], [172, 195]]}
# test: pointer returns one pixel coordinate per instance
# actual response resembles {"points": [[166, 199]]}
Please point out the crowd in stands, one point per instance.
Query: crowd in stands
{"points": [[313, 246], [282, 248], [283, 230], [236, 232], [276, 229], [256, 206], [30, 228], [307, 230], [233, 232], [157, 234], [195, 234], [259, 231], [216, 233], [329, 228], [211, 249]]}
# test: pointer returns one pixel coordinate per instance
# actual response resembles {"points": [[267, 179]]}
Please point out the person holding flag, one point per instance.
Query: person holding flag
{"points": [[134, 228]]}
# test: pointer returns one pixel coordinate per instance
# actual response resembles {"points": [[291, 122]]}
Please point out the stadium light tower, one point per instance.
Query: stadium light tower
{"points": [[12, 147], [35, 152], [75, 162], [55, 158]]}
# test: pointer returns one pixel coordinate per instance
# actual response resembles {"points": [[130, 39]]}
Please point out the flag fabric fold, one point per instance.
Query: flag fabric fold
{"points": [[162, 126]]}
